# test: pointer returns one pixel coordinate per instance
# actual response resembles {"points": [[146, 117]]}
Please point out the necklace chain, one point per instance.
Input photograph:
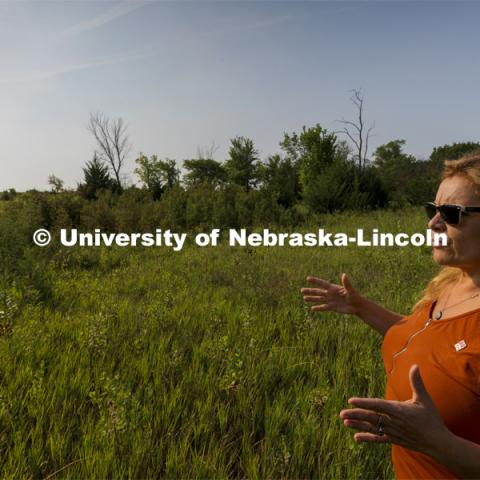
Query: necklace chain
{"points": [[439, 314]]}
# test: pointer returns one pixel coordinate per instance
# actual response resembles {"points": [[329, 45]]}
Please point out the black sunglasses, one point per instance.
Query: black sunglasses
{"points": [[450, 213]]}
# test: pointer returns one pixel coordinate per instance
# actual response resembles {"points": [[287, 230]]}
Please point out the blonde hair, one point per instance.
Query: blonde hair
{"points": [[468, 167]]}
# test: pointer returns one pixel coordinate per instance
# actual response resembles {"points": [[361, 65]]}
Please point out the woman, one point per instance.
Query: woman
{"points": [[432, 420]]}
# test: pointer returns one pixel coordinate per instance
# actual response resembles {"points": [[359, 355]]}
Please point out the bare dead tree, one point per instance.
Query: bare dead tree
{"points": [[112, 141], [355, 131]]}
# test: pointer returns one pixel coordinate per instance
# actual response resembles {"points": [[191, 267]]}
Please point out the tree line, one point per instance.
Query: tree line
{"points": [[315, 172]]}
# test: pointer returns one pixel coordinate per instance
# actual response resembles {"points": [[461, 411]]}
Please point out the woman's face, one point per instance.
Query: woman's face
{"points": [[463, 248]]}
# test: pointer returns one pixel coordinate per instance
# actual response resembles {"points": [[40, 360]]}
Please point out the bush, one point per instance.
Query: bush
{"points": [[173, 206]]}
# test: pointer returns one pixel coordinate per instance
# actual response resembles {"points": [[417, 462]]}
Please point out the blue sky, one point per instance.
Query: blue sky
{"points": [[186, 74]]}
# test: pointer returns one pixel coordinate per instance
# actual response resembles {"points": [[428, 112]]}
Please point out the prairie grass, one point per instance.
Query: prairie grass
{"points": [[203, 363]]}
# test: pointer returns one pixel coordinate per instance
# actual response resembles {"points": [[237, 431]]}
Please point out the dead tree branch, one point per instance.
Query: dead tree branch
{"points": [[112, 142], [355, 131]]}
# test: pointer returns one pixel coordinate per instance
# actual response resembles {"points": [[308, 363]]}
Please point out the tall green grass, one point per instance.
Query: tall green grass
{"points": [[204, 363]]}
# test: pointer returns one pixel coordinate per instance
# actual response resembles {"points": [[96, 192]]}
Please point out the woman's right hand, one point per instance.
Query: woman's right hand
{"points": [[331, 297]]}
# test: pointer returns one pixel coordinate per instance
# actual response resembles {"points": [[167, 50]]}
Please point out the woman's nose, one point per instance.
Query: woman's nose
{"points": [[436, 223]]}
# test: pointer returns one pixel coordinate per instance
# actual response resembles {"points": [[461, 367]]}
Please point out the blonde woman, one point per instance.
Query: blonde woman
{"points": [[431, 410]]}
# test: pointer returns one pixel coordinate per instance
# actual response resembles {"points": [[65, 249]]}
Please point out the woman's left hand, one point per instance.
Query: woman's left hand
{"points": [[415, 424]]}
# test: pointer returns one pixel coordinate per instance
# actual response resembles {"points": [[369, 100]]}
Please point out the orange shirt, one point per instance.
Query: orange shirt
{"points": [[448, 354]]}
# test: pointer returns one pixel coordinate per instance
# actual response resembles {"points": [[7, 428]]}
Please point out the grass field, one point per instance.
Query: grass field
{"points": [[203, 363]]}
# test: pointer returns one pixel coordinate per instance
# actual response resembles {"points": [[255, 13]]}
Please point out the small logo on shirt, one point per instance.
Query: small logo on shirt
{"points": [[460, 345]]}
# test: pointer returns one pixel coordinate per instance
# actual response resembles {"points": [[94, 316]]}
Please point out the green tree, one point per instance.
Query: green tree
{"points": [[390, 154], [402, 174], [280, 179], [157, 175], [171, 174], [203, 170], [434, 165], [311, 152], [96, 177], [242, 164], [453, 151], [394, 167]]}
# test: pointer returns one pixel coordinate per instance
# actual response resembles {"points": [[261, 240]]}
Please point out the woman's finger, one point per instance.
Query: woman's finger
{"points": [[390, 407], [371, 437], [320, 282], [321, 308], [363, 415], [313, 291], [359, 425], [390, 433], [314, 299]]}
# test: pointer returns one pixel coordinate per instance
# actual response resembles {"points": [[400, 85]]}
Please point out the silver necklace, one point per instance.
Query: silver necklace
{"points": [[439, 314]]}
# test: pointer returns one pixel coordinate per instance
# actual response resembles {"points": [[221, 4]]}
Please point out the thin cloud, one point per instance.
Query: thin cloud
{"points": [[274, 21], [64, 69], [119, 10]]}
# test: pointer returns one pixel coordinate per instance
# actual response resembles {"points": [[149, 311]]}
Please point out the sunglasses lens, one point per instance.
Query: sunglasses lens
{"points": [[431, 210], [449, 213]]}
